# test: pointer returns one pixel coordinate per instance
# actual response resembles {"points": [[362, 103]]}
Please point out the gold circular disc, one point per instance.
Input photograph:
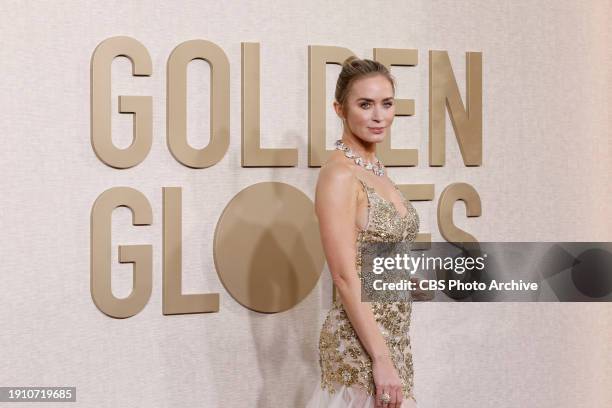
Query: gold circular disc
{"points": [[267, 248]]}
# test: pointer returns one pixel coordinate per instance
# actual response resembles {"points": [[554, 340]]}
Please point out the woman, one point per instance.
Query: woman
{"points": [[364, 348]]}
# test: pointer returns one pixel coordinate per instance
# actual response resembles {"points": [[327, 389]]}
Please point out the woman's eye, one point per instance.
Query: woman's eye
{"points": [[364, 105]]}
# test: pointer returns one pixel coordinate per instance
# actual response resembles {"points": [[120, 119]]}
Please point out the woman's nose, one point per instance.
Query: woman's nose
{"points": [[376, 115]]}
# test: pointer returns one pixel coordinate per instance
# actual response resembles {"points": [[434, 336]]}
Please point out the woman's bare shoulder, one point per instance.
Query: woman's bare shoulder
{"points": [[337, 187], [338, 171]]}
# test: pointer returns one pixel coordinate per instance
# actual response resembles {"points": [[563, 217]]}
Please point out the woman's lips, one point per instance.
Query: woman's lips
{"points": [[377, 130]]}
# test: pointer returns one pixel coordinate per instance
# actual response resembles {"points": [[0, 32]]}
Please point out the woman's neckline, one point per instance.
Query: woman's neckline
{"points": [[387, 200]]}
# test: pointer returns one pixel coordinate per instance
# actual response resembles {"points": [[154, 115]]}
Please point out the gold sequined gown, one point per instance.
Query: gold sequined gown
{"points": [[346, 368]]}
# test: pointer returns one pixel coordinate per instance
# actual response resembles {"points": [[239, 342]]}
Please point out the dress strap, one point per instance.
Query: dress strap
{"points": [[401, 194], [395, 185], [365, 186], [367, 191]]}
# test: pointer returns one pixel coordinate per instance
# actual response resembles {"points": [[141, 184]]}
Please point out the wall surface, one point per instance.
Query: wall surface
{"points": [[545, 177]]}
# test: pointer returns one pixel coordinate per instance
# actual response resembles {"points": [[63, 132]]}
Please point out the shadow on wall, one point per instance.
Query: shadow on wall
{"points": [[286, 343]]}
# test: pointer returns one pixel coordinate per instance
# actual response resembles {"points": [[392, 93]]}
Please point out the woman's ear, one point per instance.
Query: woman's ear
{"points": [[338, 109]]}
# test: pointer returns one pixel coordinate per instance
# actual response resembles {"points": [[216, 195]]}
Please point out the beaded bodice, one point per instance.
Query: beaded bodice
{"points": [[385, 223], [342, 358]]}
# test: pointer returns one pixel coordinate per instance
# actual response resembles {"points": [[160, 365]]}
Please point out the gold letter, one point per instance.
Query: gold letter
{"points": [[267, 248], [403, 107], [140, 106], [318, 58], [443, 93], [252, 154], [139, 255], [451, 194], [173, 300], [177, 103]]}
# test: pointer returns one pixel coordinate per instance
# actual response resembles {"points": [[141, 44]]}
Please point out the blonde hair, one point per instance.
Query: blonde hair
{"points": [[353, 69]]}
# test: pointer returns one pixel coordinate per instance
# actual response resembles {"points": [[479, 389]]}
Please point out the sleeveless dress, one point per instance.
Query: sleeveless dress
{"points": [[346, 368]]}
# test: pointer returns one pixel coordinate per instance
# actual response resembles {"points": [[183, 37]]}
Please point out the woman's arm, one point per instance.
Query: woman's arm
{"points": [[336, 208]]}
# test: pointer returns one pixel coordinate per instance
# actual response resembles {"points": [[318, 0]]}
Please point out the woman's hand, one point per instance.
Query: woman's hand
{"points": [[387, 380]]}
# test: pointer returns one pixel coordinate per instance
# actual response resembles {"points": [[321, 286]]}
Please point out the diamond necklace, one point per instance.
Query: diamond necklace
{"points": [[376, 168]]}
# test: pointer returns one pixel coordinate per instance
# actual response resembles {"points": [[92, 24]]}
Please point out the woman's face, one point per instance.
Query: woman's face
{"points": [[370, 108]]}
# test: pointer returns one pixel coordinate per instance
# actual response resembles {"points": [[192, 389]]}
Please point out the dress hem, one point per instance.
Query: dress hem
{"points": [[348, 397]]}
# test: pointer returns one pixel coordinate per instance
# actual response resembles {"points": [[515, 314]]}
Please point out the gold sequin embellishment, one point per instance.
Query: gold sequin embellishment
{"points": [[342, 358]]}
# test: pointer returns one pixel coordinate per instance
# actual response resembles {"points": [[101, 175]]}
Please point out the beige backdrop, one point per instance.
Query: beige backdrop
{"points": [[547, 161]]}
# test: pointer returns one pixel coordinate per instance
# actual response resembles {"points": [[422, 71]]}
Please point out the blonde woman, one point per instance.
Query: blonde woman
{"points": [[364, 347]]}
